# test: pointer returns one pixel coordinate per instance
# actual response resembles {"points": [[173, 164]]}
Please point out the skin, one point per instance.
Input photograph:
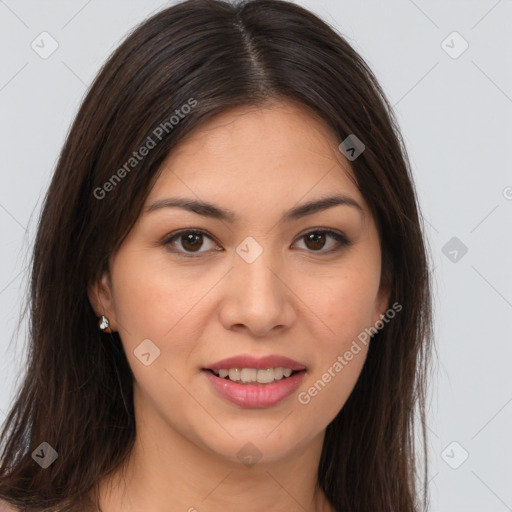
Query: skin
{"points": [[293, 300]]}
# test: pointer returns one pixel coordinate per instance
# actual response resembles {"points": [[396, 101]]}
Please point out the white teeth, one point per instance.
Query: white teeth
{"points": [[234, 374], [278, 373], [250, 375], [265, 376]]}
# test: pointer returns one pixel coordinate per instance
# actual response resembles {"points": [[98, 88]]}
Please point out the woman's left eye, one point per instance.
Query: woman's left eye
{"points": [[316, 240], [192, 241]]}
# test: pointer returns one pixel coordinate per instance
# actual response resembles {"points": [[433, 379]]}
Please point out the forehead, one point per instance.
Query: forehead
{"points": [[259, 155]]}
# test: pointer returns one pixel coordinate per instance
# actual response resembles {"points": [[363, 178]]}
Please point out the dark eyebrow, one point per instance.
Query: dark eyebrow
{"points": [[216, 212]]}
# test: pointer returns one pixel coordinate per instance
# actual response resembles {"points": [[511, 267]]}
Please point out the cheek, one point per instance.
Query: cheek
{"points": [[341, 343], [326, 391], [156, 300], [348, 312], [345, 307], [342, 301]]}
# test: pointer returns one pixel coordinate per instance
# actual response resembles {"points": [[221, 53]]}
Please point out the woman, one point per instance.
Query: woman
{"points": [[230, 299]]}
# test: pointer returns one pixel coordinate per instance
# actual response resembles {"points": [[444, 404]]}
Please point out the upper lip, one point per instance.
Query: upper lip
{"points": [[262, 363]]}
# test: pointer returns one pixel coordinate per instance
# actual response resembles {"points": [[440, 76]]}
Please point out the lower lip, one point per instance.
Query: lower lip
{"points": [[255, 396]]}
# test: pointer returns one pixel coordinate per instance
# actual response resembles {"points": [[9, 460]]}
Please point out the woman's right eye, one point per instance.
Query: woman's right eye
{"points": [[189, 240]]}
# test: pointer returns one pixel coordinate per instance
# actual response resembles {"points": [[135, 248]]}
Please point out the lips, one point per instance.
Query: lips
{"points": [[255, 395], [260, 363]]}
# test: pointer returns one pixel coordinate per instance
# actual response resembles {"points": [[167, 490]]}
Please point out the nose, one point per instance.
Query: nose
{"points": [[257, 297]]}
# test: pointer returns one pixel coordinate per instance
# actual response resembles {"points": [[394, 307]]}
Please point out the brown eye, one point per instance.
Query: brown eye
{"points": [[189, 242], [317, 240]]}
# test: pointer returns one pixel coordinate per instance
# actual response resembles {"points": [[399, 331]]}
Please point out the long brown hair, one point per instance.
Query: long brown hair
{"points": [[77, 391]]}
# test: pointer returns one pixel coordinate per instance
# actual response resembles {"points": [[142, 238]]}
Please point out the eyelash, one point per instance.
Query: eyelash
{"points": [[342, 240]]}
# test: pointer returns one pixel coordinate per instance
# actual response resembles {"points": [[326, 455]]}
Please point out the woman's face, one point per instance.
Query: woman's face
{"points": [[257, 282]]}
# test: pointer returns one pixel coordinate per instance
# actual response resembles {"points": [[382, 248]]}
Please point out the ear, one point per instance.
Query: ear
{"points": [[102, 300], [381, 303]]}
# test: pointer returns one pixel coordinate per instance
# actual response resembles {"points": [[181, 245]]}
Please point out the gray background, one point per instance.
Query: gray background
{"points": [[456, 117]]}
